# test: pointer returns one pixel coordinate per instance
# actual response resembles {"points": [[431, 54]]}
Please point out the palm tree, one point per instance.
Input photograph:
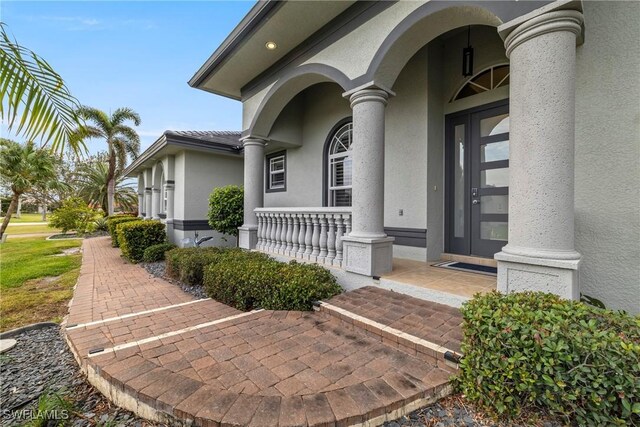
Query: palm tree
{"points": [[122, 140], [34, 100], [22, 167], [93, 182]]}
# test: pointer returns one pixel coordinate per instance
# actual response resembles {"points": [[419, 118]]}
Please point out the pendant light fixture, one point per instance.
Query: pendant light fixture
{"points": [[467, 56]]}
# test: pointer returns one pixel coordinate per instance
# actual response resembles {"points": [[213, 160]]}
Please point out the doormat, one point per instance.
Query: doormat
{"points": [[469, 268]]}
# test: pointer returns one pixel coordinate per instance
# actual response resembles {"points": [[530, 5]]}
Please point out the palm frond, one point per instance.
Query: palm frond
{"points": [[123, 114], [98, 117], [34, 99]]}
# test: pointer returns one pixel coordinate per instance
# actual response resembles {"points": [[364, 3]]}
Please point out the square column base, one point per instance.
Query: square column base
{"points": [[369, 257], [517, 273], [247, 237]]}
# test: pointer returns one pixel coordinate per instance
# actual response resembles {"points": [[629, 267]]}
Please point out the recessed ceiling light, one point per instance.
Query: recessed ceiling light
{"points": [[271, 45]]}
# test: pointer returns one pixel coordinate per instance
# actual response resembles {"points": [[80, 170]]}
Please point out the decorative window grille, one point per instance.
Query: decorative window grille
{"points": [[340, 167]]}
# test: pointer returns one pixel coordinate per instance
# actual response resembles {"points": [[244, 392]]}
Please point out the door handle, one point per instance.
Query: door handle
{"points": [[475, 202]]}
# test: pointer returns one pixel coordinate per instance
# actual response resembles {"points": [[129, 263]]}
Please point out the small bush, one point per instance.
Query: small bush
{"points": [[112, 223], [535, 350], [74, 214], [136, 236], [247, 280], [156, 252], [100, 224], [187, 264], [226, 209]]}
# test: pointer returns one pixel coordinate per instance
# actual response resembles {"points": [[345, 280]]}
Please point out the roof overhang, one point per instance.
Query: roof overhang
{"points": [[170, 143], [243, 54]]}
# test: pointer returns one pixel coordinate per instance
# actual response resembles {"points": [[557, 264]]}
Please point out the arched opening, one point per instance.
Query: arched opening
{"points": [[338, 165]]}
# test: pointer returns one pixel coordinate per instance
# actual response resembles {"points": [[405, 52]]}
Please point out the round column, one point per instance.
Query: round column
{"points": [[170, 188], [155, 204], [253, 190], [140, 205], [147, 203], [368, 163], [542, 133]]}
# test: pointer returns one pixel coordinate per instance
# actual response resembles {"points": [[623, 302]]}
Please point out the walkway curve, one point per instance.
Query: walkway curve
{"points": [[154, 350]]}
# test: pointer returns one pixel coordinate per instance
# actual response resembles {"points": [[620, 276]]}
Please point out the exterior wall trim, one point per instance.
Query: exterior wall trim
{"points": [[415, 237], [191, 224]]}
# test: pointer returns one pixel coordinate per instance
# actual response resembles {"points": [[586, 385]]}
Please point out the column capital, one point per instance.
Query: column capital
{"points": [[249, 140], [169, 186], [156, 190], [147, 190], [516, 33], [368, 94]]}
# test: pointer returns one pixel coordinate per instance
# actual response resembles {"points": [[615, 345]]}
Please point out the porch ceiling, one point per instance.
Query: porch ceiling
{"points": [[243, 55]]}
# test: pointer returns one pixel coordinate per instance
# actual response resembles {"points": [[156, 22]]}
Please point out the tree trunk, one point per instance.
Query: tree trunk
{"points": [[44, 211], [12, 207], [111, 181], [19, 208]]}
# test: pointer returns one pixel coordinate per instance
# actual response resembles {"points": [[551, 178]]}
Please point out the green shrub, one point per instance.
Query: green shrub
{"points": [[74, 214], [226, 209], [247, 280], [100, 224], [156, 252], [136, 236], [527, 350], [112, 223], [187, 264]]}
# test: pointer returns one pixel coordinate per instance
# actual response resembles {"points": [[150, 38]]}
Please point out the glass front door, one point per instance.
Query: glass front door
{"points": [[477, 173]]}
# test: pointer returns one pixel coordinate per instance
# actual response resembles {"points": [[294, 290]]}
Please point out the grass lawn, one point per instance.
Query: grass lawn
{"points": [[26, 217], [30, 229], [35, 285]]}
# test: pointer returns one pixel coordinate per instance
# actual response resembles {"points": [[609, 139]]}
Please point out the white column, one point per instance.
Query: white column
{"points": [[367, 249], [540, 254], [170, 187], [141, 205], [155, 203], [253, 190], [147, 202]]}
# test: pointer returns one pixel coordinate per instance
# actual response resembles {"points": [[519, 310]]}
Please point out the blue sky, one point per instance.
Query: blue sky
{"points": [[138, 54]]}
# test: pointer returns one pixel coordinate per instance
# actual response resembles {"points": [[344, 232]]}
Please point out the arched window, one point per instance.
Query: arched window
{"points": [[339, 166], [486, 80], [163, 194]]}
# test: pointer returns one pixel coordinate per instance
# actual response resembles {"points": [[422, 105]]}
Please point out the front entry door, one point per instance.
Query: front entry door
{"points": [[477, 171]]}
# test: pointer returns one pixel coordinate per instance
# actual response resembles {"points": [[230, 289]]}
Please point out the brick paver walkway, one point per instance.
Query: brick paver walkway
{"points": [[155, 350]]}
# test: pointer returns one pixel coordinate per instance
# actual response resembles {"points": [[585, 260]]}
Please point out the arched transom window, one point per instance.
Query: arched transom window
{"points": [[340, 166], [486, 80]]}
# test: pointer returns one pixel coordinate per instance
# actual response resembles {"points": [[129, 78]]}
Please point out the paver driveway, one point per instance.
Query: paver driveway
{"points": [[159, 352]]}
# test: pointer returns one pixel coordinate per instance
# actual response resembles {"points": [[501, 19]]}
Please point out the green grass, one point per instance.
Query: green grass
{"points": [[36, 286], [30, 229], [26, 217]]}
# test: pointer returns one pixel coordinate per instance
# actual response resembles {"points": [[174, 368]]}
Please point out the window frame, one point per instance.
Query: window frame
{"points": [[327, 160], [269, 173]]}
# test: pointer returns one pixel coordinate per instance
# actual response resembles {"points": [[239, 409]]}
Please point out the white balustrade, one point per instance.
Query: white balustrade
{"points": [[313, 234]]}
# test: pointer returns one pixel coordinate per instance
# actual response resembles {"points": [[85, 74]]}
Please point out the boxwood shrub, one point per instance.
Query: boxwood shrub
{"points": [[250, 280], [112, 223], [535, 350], [136, 236], [156, 252]]}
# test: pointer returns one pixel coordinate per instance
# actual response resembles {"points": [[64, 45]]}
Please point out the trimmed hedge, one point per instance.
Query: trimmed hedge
{"points": [[248, 280], [136, 236], [187, 264], [112, 223], [156, 252], [535, 350]]}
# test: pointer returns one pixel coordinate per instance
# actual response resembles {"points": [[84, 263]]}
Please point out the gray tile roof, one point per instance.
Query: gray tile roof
{"points": [[231, 138]]}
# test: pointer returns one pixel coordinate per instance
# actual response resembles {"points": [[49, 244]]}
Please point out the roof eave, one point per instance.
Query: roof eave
{"points": [[242, 31]]}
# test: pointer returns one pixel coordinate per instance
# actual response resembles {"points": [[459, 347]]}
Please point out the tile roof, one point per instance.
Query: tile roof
{"points": [[231, 138]]}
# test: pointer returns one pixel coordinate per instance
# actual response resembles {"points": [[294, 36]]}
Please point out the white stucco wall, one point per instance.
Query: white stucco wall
{"points": [[179, 188], [607, 162]]}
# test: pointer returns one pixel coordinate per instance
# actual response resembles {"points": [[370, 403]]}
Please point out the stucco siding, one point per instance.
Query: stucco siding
{"points": [[179, 186], [607, 154]]}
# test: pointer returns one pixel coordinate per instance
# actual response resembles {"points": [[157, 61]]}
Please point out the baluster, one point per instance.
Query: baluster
{"points": [[260, 227], [323, 238], [276, 237], [295, 235], [347, 225], [331, 240], [301, 236], [272, 234], [283, 235], [267, 232], [308, 237], [339, 233], [287, 250], [315, 239]]}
